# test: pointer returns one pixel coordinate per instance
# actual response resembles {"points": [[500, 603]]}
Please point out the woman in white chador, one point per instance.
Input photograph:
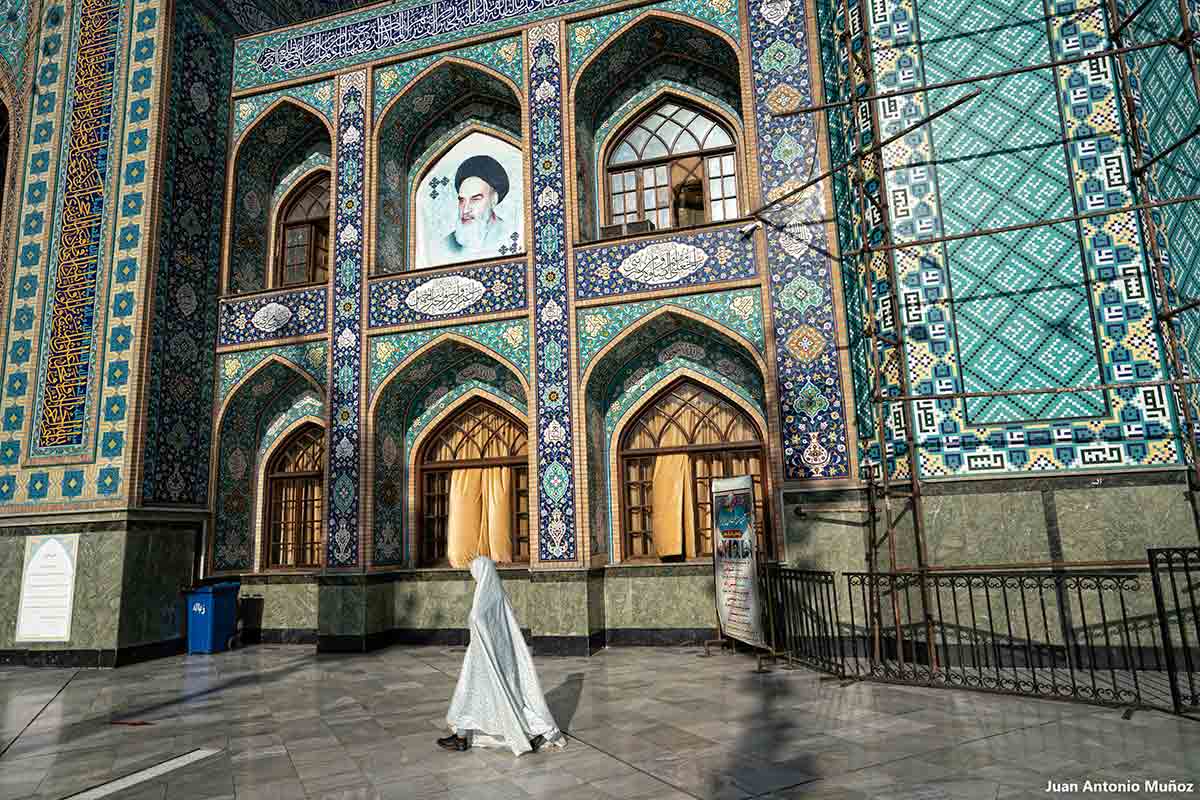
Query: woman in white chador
{"points": [[498, 701]]}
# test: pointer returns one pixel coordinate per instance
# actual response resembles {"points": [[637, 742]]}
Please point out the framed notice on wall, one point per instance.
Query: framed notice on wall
{"points": [[735, 565], [47, 588]]}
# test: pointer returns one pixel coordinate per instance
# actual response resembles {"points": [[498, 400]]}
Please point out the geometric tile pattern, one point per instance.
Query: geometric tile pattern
{"points": [[274, 316], [1169, 112], [696, 258], [555, 437], [176, 455], [1054, 305], [344, 434], [503, 56], [1021, 310], [16, 15], [810, 412]]}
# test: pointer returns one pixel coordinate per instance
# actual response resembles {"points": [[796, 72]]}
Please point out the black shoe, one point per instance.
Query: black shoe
{"points": [[537, 742], [453, 742]]}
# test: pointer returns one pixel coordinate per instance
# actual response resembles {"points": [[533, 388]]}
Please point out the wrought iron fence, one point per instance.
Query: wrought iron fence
{"points": [[1122, 637], [1176, 575]]}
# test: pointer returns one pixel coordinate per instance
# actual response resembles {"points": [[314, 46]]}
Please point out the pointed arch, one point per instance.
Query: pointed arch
{"points": [[645, 16], [447, 337], [649, 398], [233, 173], [671, 310], [262, 492], [442, 62]]}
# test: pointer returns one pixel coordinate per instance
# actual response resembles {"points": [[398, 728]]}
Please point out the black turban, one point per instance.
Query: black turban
{"points": [[486, 168]]}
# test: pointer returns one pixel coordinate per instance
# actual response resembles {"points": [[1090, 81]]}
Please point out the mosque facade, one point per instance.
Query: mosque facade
{"points": [[321, 305]]}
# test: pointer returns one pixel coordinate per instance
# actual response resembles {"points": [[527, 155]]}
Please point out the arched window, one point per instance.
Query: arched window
{"points": [[303, 236], [474, 479], [295, 492], [674, 167], [669, 455]]}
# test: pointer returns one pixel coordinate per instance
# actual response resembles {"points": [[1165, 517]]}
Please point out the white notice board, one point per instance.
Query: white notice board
{"points": [[734, 559], [48, 588]]}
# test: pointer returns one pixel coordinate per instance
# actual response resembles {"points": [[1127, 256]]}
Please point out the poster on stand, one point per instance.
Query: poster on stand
{"points": [[47, 588], [735, 560]]}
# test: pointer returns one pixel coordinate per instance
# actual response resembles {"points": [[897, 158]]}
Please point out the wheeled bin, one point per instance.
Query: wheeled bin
{"points": [[212, 617]]}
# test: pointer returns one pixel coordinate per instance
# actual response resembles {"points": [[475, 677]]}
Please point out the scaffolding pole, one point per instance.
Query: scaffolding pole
{"points": [[875, 260]]}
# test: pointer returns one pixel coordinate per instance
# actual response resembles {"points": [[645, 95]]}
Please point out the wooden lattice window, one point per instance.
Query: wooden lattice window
{"points": [[675, 166], [302, 255], [720, 441], [480, 435], [296, 494]]}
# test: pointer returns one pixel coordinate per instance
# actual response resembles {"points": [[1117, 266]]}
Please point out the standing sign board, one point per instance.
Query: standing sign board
{"points": [[47, 588], [734, 560]]}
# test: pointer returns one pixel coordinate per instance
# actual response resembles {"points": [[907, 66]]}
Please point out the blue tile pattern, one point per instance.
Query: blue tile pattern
{"points": [[555, 437], [278, 315], [345, 363]]}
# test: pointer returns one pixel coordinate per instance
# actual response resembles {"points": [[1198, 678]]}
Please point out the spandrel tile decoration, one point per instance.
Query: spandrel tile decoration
{"points": [[322, 297]]}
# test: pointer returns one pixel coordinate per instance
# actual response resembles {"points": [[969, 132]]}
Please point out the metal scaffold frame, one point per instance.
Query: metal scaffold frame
{"points": [[875, 259]]}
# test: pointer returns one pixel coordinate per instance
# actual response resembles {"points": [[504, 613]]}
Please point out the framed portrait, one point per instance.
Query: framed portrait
{"points": [[470, 203]]}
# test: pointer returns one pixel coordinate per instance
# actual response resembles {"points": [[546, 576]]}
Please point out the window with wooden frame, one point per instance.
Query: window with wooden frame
{"points": [[720, 441], [676, 166], [479, 436], [302, 250], [296, 501]]}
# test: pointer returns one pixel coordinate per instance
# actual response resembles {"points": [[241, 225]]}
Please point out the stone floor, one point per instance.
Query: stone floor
{"points": [[643, 722]]}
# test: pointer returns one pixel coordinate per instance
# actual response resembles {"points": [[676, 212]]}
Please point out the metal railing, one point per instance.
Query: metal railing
{"points": [[1119, 637]]}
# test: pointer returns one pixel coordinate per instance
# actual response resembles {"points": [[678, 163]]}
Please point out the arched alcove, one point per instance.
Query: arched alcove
{"points": [[455, 122], [652, 355], [655, 60], [416, 398], [288, 146], [263, 410]]}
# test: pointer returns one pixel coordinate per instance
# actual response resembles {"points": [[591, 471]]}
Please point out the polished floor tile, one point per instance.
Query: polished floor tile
{"points": [[657, 723]]}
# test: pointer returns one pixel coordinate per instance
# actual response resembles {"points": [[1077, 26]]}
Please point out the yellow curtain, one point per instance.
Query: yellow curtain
{"points": [[673, 519], [498, 512], [464, 523], [480, 516]]}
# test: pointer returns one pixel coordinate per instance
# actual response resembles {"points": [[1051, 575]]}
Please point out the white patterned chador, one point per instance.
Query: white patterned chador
{"points": [[498, 701]]}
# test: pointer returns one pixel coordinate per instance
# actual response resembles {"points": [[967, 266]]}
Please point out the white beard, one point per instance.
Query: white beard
{"points": [[471, 234]]}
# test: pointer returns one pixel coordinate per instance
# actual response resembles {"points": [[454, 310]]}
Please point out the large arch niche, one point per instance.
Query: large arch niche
{"points": [[454, 109]]}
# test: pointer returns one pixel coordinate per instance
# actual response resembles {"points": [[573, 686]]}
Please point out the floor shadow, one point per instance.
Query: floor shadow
{"points": [[563, 700], [766, 744]]}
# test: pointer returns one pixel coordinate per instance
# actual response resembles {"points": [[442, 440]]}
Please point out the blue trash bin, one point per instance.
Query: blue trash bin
{"points": [[212, 617]]}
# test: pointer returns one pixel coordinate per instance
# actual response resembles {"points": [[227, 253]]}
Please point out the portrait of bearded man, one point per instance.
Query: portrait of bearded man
{"points": [[482, 184]]}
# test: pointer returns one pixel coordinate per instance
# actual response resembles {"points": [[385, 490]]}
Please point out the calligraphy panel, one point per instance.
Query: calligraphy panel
{"points": [[66, 372], [664, 262], [490, 289]]}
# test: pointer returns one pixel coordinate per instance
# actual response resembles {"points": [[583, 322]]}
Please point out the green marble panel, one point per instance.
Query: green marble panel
{"points": [[341, 610], [562, 606], [290, 606], [659, 601], [1118, 523], [158, 564], [97, 604], [429, 605], [991, 528]]}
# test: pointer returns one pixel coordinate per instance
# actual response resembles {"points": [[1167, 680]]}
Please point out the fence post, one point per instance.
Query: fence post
{"points": [[1161, 607]]}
